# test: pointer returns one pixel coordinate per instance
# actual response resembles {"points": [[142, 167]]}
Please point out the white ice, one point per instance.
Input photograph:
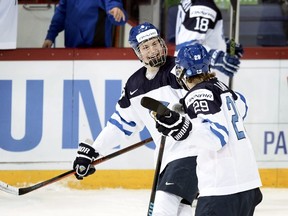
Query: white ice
{"points": [[55, 200]]}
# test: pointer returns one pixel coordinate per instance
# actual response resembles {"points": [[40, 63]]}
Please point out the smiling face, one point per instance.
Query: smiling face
{"points": [[152, 52]]}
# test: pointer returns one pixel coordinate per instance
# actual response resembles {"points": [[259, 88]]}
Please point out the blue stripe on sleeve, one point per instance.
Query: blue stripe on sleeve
{"points": [[132, 123], [219, 135], [120, 126], [216, 132]]}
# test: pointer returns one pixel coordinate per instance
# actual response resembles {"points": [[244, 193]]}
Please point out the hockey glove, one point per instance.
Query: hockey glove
{"points": [[224, 62], [239, 51], [173, 125], [82, 164]]}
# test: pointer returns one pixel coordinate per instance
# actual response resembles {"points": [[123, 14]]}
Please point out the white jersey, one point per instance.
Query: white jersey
{"points": [[130, 117], [226, 163], [8, 23], [201, 22]]}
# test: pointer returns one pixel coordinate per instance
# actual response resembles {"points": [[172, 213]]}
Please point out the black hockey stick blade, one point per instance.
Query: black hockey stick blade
{"points": [[154, 105], [21, 191]]}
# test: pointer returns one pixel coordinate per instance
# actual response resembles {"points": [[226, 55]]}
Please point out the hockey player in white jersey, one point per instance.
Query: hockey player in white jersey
{"points": [[201, 22], [228, 177], [177, 184]]}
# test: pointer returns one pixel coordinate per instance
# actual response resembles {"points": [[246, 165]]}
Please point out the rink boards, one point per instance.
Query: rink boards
{"points": [[48, 106]]}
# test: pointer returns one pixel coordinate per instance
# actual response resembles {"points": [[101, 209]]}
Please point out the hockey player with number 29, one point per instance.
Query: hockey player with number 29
{"points": [[227, 172], [177, 185]]}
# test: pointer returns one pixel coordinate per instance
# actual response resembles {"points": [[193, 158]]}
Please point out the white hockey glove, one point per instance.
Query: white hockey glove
{"points": [[239, 51], [82, 164], [173, 125], [224, 62]]}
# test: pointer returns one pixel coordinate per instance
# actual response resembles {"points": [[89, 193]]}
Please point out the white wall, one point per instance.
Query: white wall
{"points": [[263, 82], [33, 23]]}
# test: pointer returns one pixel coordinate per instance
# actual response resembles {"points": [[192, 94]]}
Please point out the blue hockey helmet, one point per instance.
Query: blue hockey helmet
{"points": [[194, 59], [142, 32], [191, 60]]}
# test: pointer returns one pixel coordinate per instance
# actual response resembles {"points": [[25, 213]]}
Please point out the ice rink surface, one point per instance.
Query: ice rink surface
{"points": [[55, 200]]}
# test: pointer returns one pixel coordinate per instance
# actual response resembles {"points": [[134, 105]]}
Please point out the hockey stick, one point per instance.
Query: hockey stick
{"points": [[233, 31], [156, 175], [20, 191], [159, 108]]}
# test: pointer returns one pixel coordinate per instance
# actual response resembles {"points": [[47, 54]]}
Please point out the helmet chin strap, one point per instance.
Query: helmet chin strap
{"points": [[151, 71], [151, 68], [156, 62], [152, 63]]}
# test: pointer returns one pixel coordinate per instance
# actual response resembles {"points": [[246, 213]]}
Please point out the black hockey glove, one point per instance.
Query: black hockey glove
{"points": [[224, 62], [173, 125], [82, 164], [239, 51]]}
